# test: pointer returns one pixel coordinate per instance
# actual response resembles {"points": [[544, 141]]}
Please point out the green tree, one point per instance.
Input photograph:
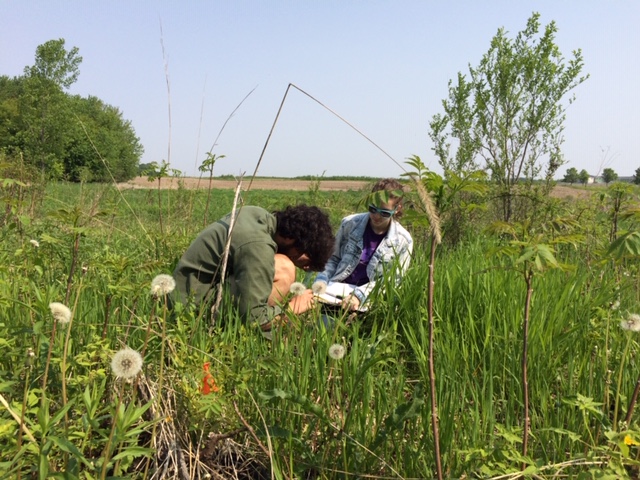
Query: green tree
{"points": [[10, 91], [571, 176], [509, 113], [609, 175], [55, 64], [584, 176], [44, 107], [636, 176], [60, 134], [101, 142]]}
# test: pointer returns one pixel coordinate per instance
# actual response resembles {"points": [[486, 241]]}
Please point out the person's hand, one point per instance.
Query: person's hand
{"points": [[303, 302], [351, 303]]}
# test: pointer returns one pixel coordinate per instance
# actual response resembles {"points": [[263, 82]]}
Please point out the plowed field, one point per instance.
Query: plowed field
{"points": [[560, 191]]}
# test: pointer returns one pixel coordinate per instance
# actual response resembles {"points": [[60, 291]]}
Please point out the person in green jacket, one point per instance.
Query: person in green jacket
{"points": [[303, 233]]}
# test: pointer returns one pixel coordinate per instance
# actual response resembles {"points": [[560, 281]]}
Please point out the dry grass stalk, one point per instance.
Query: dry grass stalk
{"points": [[430, 209]]}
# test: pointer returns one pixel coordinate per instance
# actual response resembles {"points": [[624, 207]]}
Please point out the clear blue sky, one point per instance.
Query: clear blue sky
{"points": [[382, 65]]}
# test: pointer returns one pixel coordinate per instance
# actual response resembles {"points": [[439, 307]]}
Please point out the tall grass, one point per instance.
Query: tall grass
{"points": [[287, 408]]}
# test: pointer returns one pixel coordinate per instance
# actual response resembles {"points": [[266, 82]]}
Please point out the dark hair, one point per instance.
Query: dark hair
{"points": [[394, 189], [310, 229]]}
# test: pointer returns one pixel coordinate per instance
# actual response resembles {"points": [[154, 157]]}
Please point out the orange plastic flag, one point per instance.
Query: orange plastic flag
{"points": [[208, 382]]}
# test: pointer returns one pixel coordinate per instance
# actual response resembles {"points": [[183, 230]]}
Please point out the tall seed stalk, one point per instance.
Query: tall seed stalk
{"points": [[434, 222]]}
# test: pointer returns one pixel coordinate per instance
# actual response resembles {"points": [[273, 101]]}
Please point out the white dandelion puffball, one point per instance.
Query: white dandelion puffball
{"points": [[163, 284], [632, 323], [297, 288], [319, 287], [60, 312], [35, 243], [336, 351], [126, 363]]}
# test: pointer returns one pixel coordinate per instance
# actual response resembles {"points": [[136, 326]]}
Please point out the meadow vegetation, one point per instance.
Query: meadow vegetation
{"points": [[554, 293]]}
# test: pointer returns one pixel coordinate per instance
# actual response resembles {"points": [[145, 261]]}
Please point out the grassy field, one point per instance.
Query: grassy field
{"points": [[559, 295]]}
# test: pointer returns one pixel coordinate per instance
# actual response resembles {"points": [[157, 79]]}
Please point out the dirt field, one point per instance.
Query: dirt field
{"points": [[258, 184], [560, 191]]}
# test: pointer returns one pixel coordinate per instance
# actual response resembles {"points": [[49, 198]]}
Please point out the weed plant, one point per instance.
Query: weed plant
{"points": [[351, 401]]}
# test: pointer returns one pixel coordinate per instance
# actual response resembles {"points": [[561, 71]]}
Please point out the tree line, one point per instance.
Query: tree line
{"points": [[608, 175], [47, 131]]}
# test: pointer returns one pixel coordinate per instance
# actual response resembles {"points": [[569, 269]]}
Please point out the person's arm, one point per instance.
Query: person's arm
{"points": [[253, 271], [333, 262]]}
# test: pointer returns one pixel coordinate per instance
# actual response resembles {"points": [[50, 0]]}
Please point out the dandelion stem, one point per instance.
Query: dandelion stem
{"points": [[632, 403], [63, 366], [107, 449], [46, 365], [619, 386]]}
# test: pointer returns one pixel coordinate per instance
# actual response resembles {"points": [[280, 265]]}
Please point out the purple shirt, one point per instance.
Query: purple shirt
{"points": [[370, 242]]}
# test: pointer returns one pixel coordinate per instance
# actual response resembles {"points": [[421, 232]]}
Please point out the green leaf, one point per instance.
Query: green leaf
{"points": [[625, 245], [66, 446], [133, 452]]}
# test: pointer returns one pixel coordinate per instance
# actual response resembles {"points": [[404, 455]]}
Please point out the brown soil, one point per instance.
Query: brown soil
{"points": [[257, 184], [564, 191], [560, 191]]}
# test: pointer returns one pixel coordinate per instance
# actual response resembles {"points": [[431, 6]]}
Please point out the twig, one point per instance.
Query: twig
{"points": [[251, 430], [225, 254], [17, 419], [273, 126]]}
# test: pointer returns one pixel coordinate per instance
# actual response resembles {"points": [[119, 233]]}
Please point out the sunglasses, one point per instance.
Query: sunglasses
{"points": [[381, 211]]}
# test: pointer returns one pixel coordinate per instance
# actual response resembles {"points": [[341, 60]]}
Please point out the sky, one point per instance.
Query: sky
{"points": [[195, 77]]}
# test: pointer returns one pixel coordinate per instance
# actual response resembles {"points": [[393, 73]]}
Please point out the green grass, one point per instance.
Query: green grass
{"points": [[285, 408]]}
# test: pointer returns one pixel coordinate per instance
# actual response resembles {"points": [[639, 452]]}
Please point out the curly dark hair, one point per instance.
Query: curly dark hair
{"points": [[311, 231]]}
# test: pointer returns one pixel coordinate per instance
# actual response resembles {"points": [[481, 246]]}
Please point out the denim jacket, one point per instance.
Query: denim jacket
{"points": [[396, 246]]}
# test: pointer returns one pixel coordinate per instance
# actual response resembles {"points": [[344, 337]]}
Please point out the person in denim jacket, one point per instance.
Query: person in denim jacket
{"points": [[366, 245]]}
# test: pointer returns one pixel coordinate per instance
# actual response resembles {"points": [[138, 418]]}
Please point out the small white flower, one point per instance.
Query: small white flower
{"points": [[297, 288], [163, 284], [126, 363], [35, 243], [615, 305], [336, 351], [319, 287], [60, 312], [632, 323]]}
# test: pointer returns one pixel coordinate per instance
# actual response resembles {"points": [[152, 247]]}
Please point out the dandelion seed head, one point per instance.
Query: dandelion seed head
{"points": [[615, 305], [34, 242], [632, 323], [319, 288], [297, 288], [336, 351], [162, 284], [126, 363], [60, 312]]}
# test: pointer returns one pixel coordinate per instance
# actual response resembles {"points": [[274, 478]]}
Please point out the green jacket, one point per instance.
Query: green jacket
{"points": [[250, 265]]}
